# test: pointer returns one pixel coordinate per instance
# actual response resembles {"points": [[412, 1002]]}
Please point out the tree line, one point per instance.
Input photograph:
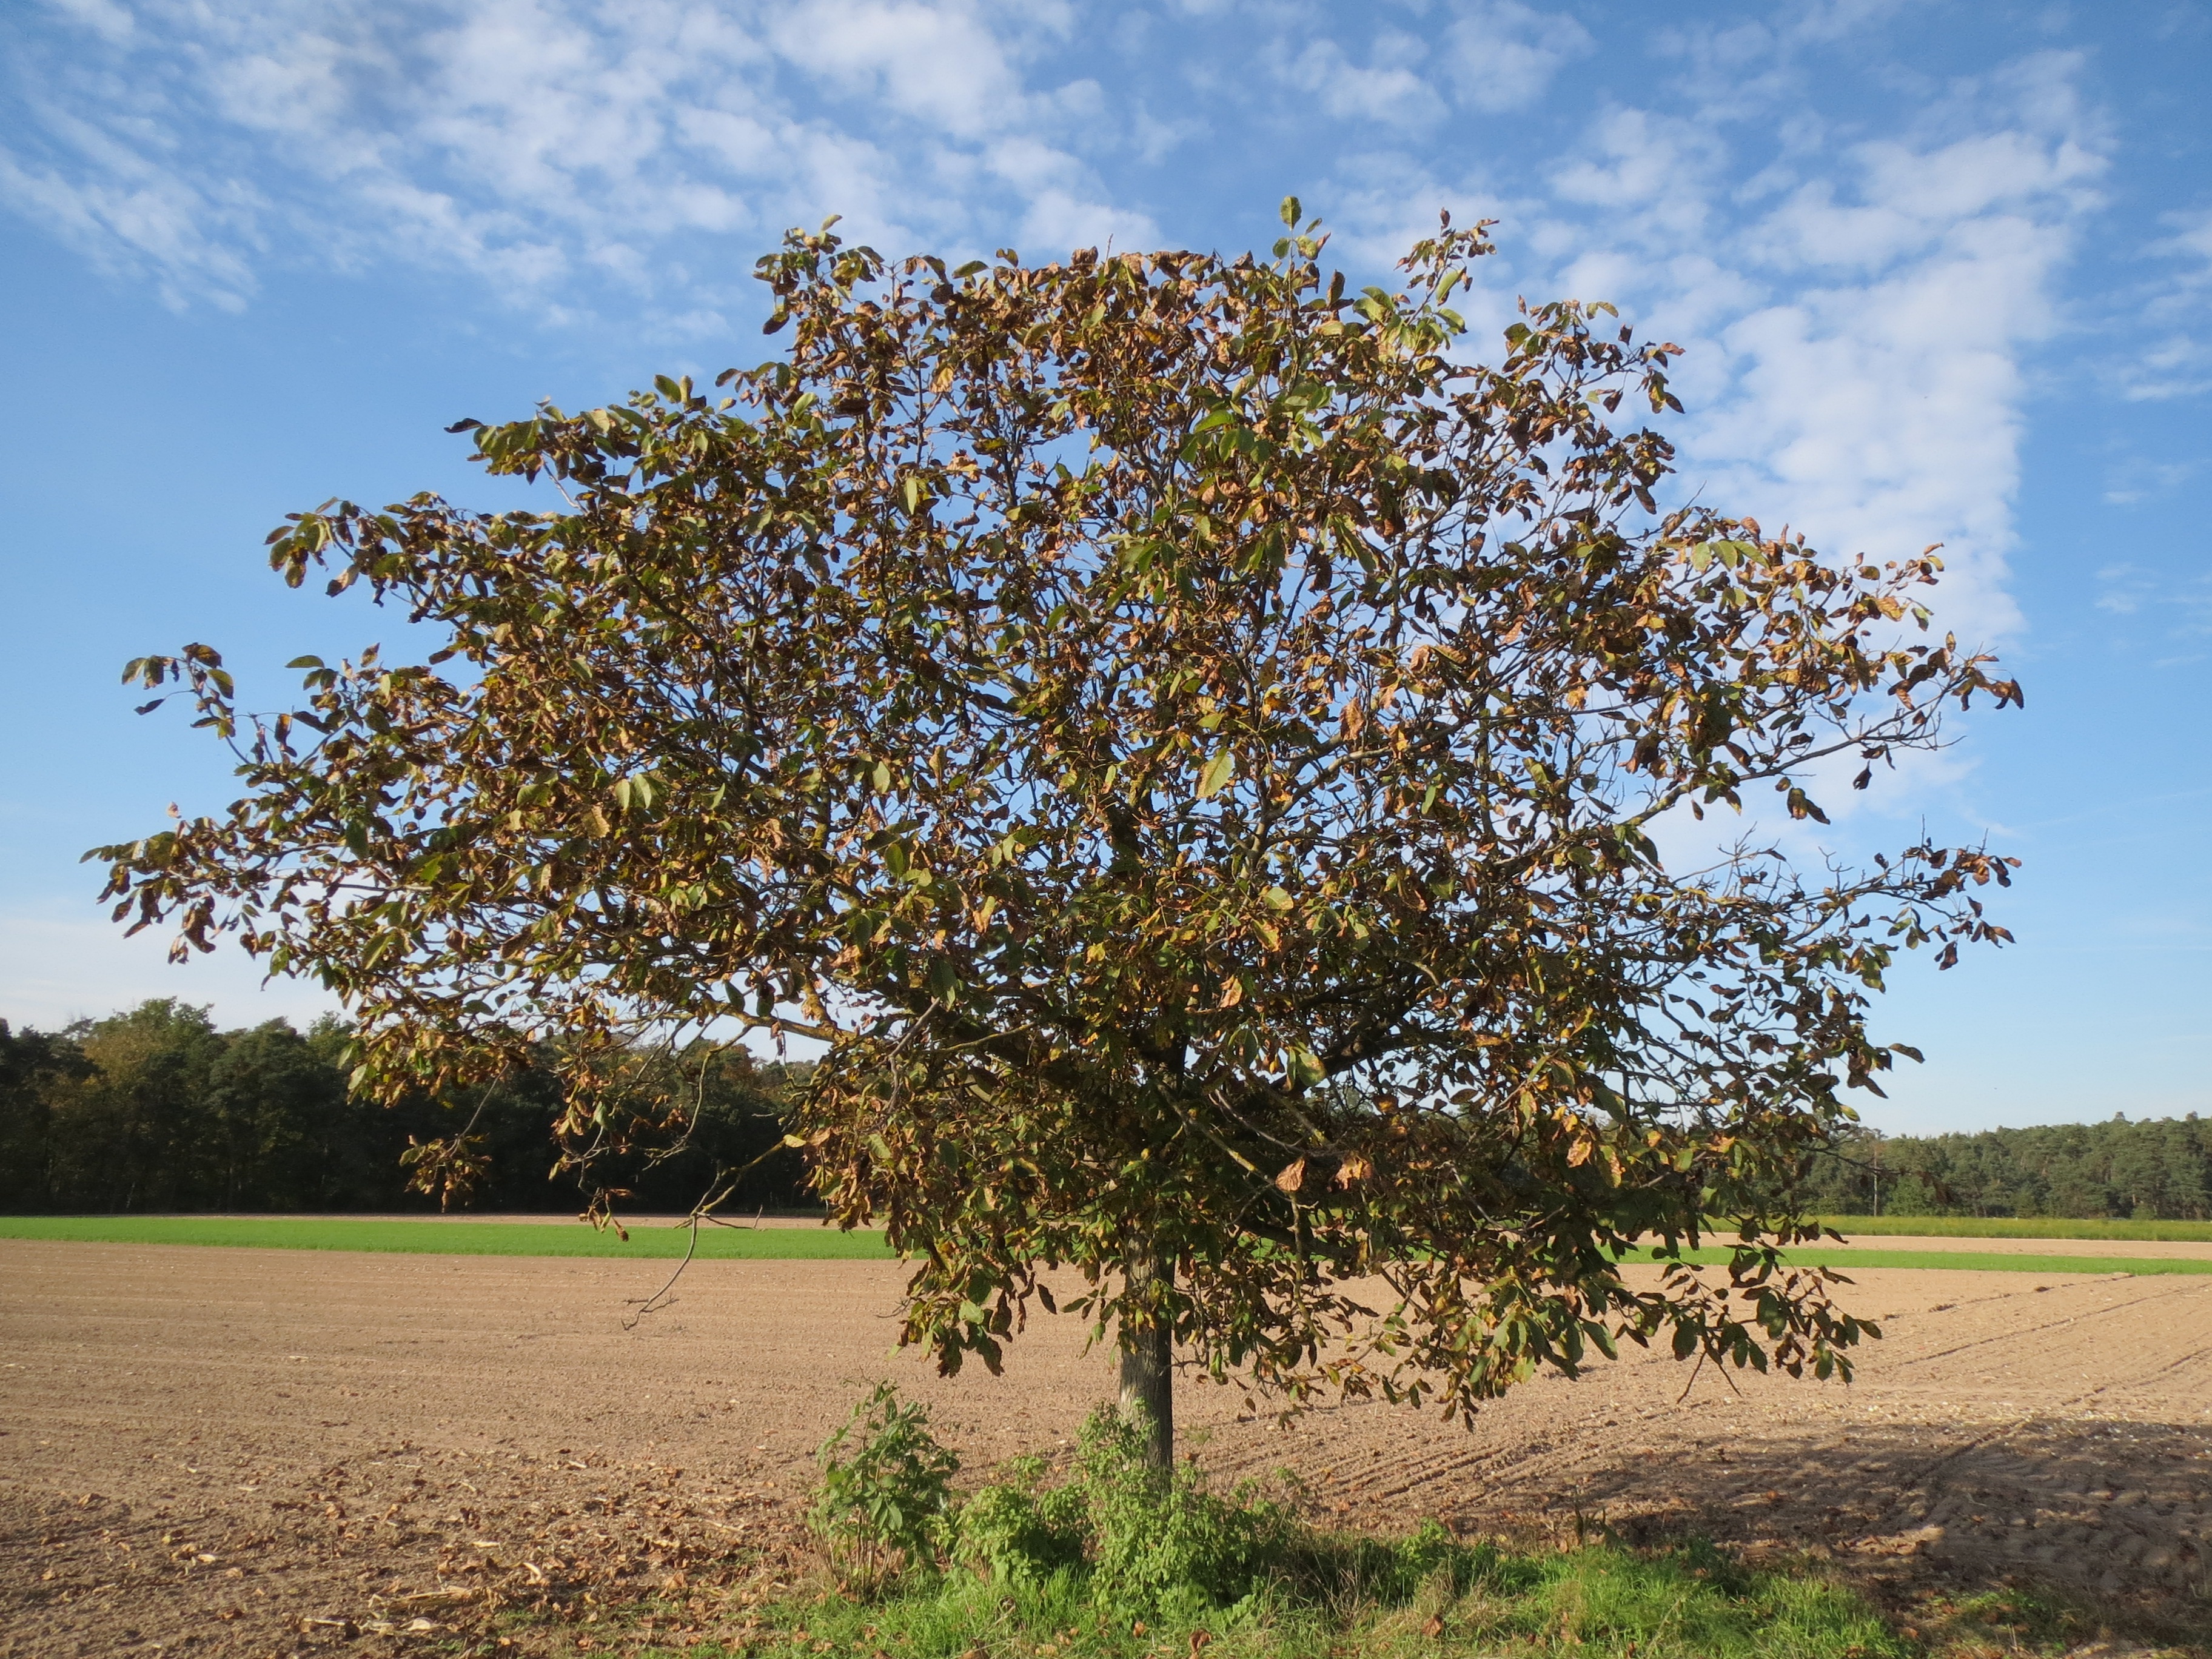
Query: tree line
{"points": [[155, 1110], [2159, 1168]]}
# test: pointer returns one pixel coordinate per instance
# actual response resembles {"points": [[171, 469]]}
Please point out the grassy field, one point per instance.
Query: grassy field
{"points": [[1968, 1226], [1596, 1602], [452, 1238], [825, 1243], [1852, 1256]]}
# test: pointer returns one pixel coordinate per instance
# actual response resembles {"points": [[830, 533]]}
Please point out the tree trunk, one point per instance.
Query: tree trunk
{"points": [[1148, 1360]]}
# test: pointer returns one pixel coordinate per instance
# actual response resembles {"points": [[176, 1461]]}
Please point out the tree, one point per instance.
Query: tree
{"points": [[32, 1064], [133, 1133], [1193, 745]]}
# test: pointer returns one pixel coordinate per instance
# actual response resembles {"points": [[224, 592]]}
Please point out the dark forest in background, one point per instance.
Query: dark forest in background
{"points": [[156, 1110], [2152, 1170]]}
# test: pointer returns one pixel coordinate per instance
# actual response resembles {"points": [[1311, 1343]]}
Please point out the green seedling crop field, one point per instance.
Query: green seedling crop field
{"points": [[454, 1238], [1848, 1257], [2007, 1226], [809, 1243]]}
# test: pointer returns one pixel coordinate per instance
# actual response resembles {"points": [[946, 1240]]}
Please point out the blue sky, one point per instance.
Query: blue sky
{"points": [[1942, 270]]}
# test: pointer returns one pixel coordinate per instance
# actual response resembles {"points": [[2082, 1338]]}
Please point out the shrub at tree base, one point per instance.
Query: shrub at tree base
{"points": [[886, 1491], [1146, 1540], [1123, 1556]]}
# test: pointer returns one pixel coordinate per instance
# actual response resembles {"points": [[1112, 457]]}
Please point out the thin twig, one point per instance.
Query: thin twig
{"points": [[660, 1298]]}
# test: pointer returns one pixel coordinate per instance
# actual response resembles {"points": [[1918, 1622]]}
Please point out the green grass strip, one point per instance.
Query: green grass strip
{"points": [[1847, 1257], [2012, 1226], [661, 1242], [455, 1237], [1597, 1602]]}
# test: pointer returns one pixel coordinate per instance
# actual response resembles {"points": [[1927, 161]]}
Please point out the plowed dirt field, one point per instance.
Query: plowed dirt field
{"points": [[256, 1452]]}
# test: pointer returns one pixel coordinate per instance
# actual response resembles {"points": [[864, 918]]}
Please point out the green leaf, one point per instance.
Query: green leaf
{"points": [[1218, 771]]}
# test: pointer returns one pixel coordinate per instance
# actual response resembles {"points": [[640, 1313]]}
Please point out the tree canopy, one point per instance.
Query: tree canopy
{"points": [[1192, 743]]}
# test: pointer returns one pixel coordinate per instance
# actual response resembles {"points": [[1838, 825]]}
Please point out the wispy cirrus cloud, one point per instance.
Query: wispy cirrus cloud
{"points": [[539, 146], [1859, 304], [1858, 311], [2177, 362], [1503, 55]]}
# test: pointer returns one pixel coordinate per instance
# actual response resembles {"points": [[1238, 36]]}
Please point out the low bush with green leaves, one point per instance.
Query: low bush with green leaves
{"points": [[1146, 1540], [886, 1491], [1114, 1559]]}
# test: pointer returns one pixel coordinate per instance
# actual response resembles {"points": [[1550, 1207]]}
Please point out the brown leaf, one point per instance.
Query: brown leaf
{"points": [[1293, 1177]]}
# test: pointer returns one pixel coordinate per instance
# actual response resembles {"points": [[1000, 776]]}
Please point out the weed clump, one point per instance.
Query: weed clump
{"points": [[1144, 1539], [885, 1500], [1114, 1559]]}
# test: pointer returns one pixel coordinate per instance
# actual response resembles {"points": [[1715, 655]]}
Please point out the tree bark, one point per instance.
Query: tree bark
{"points": [[1148, 1360]]}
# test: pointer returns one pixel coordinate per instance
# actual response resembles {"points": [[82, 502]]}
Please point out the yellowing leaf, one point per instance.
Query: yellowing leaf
{"points": [[1218, 771]]}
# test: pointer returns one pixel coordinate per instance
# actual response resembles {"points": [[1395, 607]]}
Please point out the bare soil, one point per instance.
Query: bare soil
{"points": [[227, 1451]]}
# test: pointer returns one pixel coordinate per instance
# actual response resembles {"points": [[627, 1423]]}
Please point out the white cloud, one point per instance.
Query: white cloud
{"points": [[940, 63], [1658, 174], [1502, 54], [1860, 319], [1493, 55], [130, 211], [537, 144], [2122, 589], [1056, 220], [1857, 306], [1857, 322], [105, 18], [2177, 363], [2138, 478], [1387, 89]]}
